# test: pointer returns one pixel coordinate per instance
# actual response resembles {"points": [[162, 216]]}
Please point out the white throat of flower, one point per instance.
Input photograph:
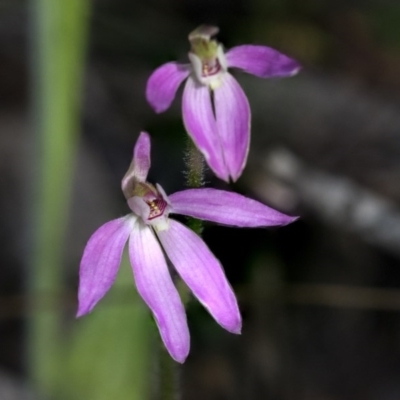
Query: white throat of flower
{"points": [[207, 57], [152, 205]]}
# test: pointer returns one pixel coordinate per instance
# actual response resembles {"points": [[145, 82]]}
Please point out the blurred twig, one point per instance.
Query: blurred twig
{"points": [[338, 201], [347, 296]]}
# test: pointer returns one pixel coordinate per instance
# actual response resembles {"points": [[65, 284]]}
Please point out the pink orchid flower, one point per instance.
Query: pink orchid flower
{"points": [[216, 112], [151, 233]]}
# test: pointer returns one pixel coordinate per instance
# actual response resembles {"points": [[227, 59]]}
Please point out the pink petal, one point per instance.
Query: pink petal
{"points": [[140, 165], [203, 273], [101, 260], [262, 61], [200, 123], [226, 208], [154, 284], [163, 84], [233, 123]]}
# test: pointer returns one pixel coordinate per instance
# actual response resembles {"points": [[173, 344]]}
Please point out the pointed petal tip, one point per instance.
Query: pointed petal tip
{"points": [[290, 219], [80, 313], [85, 307], [142, 148], [237, 330], [83, 310], [143, 136], [221, 171], [233, 326], [179, 358], [224, 176], [178, 351], [293, 68], [159, 110], [234, 177], [155, 107]]}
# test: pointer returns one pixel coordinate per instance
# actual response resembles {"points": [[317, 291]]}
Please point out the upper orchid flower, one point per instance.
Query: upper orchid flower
{"points": [[152, 233], [216, 111]]}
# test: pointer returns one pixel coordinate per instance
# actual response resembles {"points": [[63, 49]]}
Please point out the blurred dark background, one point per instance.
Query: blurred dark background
{"points": [[320, 298]]}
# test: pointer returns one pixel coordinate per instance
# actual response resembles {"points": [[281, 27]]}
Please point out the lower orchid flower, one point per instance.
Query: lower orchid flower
{"points": [[216, 112], [152, 233]]}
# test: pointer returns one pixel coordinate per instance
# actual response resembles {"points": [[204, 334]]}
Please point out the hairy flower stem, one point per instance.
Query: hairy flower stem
{"points": [[194, 178], [169, 369]]}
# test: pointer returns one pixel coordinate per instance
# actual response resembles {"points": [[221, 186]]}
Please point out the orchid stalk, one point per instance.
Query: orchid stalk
{"points": [[151, 234], [216, 112]]}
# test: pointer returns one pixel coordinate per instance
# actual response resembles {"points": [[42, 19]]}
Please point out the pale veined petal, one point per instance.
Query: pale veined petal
{"points": [[226, 208], [140, 165], [154, 284], [200, 123], [233, 124], [100, 261], [262, 61], [203, 274], [163, 84]]}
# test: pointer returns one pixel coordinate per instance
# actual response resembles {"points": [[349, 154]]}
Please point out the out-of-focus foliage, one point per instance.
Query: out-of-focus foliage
{"points": [[107, 355], [110, 352]]}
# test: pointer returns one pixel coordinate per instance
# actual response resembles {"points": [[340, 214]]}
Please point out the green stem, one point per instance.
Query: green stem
{"points": [[169, 369], [169, 377], [195, 166], [59, 32]]}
